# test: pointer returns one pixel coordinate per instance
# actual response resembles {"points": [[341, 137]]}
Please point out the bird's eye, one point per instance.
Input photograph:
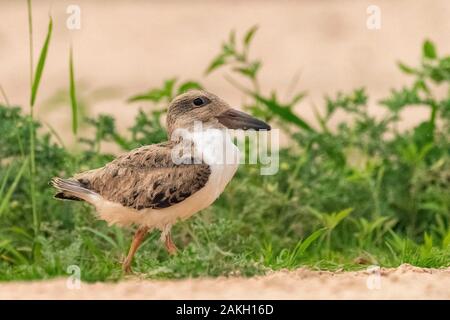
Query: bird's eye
{"points": [[200, 101]]}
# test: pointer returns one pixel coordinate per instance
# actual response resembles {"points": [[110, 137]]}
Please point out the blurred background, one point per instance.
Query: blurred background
{"points": [[124, 47]]}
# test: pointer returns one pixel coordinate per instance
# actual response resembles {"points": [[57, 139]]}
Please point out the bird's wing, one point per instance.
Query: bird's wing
{"points": [[146, 178]]}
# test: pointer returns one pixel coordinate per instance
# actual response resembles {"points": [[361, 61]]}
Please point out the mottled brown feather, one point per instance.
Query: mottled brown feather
{"points": [[146, 178]]}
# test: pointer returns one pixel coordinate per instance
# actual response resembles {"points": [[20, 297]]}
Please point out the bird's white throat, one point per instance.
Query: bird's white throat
{"points": [[221, 154], [216, 147]]}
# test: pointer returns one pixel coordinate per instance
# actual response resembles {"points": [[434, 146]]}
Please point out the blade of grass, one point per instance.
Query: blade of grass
{"points": [[20, 258], [309, 240], [73, 96], [11, 189], [101, 235], [5, 180], [30, 35], [41, 63], [249, 35], [302, 246], [5, 97], [31, 124], [282, 111], [34, 90]]}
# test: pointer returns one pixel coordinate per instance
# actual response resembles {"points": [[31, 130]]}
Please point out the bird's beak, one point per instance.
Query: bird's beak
{"points": [[234, 119]]}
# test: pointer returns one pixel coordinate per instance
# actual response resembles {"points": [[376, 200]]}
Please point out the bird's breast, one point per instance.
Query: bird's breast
{"points": [[217, 149], [219, 152]]}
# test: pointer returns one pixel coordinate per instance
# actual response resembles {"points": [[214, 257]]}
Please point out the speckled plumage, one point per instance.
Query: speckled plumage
{"points": [[146, 178]]}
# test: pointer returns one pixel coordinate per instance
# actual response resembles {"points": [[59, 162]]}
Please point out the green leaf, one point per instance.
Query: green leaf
{"points": [[41, 63], [189, 85], [341, 215], [228, 49], [399, 99], [73, 96], [158, 94], [249, 35], [423, 134], [168, 88], [219, 61], [249, 71], [284, 112], [309, 240], [406, 69], [297, 98], [153, 95], [429, 50], [421, 85]]}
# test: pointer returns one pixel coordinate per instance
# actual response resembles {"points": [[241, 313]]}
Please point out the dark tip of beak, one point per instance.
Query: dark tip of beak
{"points": [[234, 119]]}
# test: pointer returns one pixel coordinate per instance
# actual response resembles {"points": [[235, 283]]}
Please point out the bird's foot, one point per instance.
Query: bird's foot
{"points": [[126, 267], [170, 246], [172, 249]]}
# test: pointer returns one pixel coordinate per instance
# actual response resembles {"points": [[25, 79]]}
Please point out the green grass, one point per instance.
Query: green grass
{"points": [[345, 197]]}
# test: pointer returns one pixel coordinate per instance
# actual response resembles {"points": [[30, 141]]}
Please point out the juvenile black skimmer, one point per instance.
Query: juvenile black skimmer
{"points": [[156, 185]]}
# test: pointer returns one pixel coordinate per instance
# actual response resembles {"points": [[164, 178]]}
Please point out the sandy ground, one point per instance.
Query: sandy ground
{"points": [[405, 282]]}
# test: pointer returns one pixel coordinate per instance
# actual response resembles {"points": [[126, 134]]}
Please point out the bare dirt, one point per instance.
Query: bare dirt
{"points": [[404, 282]]}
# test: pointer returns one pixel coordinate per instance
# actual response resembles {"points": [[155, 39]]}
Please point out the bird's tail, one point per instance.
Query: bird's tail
{"points": [[69, 189]]}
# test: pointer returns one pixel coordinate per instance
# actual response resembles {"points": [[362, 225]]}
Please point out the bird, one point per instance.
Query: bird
{"points": [[155, 186]]}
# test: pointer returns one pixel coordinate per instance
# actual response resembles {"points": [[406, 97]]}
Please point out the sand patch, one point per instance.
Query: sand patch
{"points": [[404, 282]]}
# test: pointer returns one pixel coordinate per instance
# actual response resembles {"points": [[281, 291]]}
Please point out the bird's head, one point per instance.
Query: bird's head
{"points": [[201, 106]]}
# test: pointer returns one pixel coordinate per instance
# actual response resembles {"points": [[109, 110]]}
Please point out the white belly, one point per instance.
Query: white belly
{"points": [[218, 152]]}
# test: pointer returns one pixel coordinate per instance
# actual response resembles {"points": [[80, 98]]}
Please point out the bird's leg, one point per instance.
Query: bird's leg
{"points": [[170, 246], [139, 236]]}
